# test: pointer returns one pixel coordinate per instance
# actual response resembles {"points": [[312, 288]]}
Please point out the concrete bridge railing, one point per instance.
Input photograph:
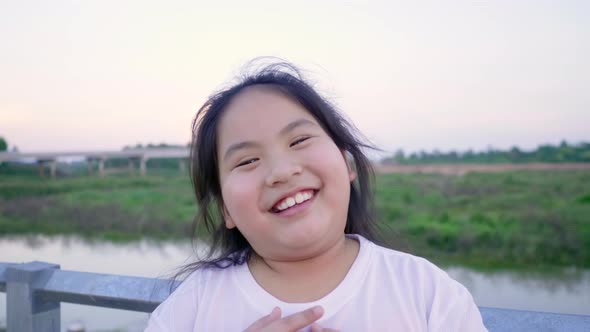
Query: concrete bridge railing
{"points": [[98, 158], [35, 290]]}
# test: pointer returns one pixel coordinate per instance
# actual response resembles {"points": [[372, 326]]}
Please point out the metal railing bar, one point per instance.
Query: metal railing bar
{"points": [[46, 286], [501, 319], [105, 290]]}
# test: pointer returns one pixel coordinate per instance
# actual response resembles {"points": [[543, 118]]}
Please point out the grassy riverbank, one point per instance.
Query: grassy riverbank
{"points": [[489, 219], [525, 218]]}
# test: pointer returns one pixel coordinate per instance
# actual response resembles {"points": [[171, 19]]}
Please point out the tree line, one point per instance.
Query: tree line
{"points": [[547, 153], [3, 144]]}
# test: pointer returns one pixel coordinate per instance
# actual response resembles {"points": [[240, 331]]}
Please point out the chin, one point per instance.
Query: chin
{"points": [[310, 240]]}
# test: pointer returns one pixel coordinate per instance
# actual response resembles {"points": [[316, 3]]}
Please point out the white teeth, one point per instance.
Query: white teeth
{"points": [[290, 201], [300, 197]]}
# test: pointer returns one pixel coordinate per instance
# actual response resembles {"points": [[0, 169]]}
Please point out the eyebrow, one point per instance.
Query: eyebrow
{"points": [[248, 144], [297, 123], [238, 146]]}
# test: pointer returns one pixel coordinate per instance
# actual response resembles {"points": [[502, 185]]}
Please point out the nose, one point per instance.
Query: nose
{"points": [[281, 171]]}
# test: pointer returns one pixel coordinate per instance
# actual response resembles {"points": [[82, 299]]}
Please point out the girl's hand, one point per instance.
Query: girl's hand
{"points": [[274, 323]]}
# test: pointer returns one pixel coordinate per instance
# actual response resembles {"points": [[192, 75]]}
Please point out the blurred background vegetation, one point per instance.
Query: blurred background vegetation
{"points": [[547, 153], [512, 218]]}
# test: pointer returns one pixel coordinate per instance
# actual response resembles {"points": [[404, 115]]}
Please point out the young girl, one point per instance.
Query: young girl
{"points": [[283, 188]]}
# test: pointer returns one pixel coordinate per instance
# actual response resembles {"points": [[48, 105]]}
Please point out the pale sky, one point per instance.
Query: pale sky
{"points": [[98, 75]]}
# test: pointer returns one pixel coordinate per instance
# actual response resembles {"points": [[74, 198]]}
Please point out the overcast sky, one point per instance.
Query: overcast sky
{"points": [[451, 75]]}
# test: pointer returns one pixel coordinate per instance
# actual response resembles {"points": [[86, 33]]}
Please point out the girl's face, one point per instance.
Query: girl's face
{"points": [[285, 184]]}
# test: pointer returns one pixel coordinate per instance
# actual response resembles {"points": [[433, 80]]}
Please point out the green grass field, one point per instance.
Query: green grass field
{"points": [[525, 218], [489, 219]]}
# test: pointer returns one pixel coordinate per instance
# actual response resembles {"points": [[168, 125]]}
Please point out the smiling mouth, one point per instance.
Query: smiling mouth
{"points": [[293, 200]]}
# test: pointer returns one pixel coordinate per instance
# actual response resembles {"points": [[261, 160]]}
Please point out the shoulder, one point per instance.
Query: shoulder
{"points": [[401, 264], [413, 271], [446, 303], [178, 311]]}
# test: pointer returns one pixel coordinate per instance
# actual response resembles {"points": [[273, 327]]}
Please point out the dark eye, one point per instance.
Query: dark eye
{"points": [[299, 140], [247, 162]]}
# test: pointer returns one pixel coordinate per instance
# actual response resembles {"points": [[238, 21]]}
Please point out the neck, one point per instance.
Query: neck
{"points": [[308, 278]]}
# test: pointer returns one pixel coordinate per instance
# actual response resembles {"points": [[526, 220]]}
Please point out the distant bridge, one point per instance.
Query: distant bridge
{"points": [[50, 159], [141, 156]]}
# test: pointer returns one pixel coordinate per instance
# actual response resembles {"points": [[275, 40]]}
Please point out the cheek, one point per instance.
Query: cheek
{"points": [[331, 163], [239, 194]]}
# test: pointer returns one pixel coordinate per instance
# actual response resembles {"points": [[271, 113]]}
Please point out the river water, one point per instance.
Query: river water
{"points": [[564, 291]]}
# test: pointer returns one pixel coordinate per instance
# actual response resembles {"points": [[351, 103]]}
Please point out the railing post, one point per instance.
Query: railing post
{"points": [[143, 165], [53, 168], [25, 311], [182, 165], [101, 166], [89, 162], [130, 165], [41, 168]]}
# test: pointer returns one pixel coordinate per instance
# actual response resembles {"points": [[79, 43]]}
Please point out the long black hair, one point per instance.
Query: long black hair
{"points": [[228, 246]]}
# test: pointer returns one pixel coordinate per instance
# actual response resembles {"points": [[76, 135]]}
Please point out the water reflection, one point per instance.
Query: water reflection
{"points": [[566, 290], [147, 258], [552, 281]]}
